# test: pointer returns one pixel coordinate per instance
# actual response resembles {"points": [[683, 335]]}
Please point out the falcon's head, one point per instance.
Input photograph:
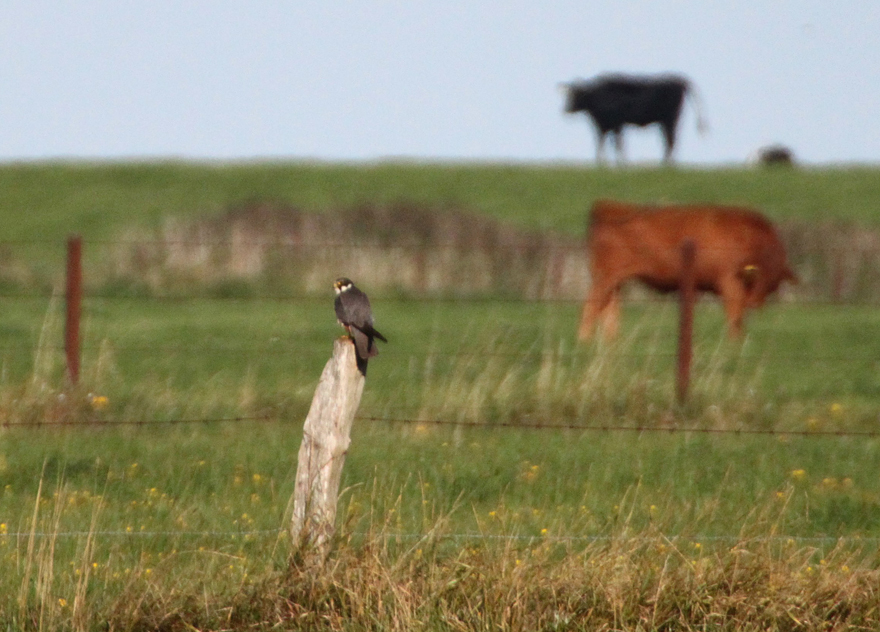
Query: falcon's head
{"points": [[342, 285]]}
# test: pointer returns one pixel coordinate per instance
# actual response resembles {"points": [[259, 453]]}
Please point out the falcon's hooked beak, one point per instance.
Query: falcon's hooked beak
{"points": [[341, 285]]}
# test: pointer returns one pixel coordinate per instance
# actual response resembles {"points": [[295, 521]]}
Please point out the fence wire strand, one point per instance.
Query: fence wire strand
{"points": [[476, 425], [466, 537]]}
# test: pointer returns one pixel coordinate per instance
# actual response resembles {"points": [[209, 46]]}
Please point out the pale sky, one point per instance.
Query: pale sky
{"points": [[465, 80]]}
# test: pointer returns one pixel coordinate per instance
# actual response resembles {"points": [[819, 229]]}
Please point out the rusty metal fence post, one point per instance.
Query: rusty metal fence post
{"points": [[74, 307], [687, 292]]}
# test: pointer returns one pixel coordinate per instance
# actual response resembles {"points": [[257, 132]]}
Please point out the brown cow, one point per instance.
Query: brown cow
{"points": [[739, 257]]}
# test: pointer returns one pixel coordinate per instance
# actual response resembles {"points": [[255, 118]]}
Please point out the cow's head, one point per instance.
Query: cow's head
{"points": [[759, 282], [576, 96]]}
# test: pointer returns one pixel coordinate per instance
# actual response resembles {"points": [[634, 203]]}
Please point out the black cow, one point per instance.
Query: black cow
{"points": [[614, 100]]}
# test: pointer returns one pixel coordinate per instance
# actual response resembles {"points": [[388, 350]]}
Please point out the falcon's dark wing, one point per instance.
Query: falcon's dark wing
{"points": [[354, 312]]}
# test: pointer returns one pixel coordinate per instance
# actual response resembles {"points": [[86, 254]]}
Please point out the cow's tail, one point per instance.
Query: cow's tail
{"points": [[702, 123]]}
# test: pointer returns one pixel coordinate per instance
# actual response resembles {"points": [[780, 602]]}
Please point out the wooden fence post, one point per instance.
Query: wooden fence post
{"points": [[326, 437], [687, 291], [73, 298]]}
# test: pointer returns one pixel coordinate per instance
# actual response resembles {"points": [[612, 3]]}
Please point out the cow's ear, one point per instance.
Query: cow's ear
{"points": [[748, 274]]}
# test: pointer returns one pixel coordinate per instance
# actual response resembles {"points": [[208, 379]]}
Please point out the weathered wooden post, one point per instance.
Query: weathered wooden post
{"points": [[686, 293], [74, 306], [326, 437]]}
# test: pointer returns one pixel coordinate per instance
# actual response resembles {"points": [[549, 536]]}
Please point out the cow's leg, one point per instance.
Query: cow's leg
{"points": [[611, 316], [596, 305], [733, 295], [618, 145], [669, 138], [600, 146], [589, 314]]}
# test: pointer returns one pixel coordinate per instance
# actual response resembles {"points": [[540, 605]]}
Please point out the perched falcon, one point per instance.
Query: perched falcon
{"points": [[353, 312]]}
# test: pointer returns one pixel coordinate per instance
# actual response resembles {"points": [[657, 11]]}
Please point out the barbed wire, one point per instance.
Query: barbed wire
{"points": [[415, 296], [546, 243], [280, 348], [73, 424], [133, 533], [493, 425], [524, 240], [469, 536], [665, 429]]}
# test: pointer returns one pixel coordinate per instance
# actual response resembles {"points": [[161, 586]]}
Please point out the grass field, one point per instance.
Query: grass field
{"points": [[48, 201], [571, 505]]}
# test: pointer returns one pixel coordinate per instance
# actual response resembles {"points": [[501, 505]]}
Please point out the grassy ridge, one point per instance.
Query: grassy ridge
{"points": [[48, 201]]}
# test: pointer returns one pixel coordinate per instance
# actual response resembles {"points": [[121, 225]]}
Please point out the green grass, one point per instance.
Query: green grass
{"points": [[442, 525], [141, 521], [228, 356], [473, 363], [575, 484]]}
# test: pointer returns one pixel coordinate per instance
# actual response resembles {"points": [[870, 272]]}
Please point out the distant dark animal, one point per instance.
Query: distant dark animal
{"points": [[615, 100], [773, 155], [354, 313], [739, 256]]}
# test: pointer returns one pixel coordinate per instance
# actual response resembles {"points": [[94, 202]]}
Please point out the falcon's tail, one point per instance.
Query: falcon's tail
{"points": [[364, 343], [361, 365], [375, 334]]}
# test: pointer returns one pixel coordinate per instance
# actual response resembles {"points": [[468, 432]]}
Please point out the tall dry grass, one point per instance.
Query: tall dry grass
{"points": [[43, 577], [837, 261], [631, 578], [639, 582], [629, 382], [435, 250], [272, 247], [400, 247]]}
